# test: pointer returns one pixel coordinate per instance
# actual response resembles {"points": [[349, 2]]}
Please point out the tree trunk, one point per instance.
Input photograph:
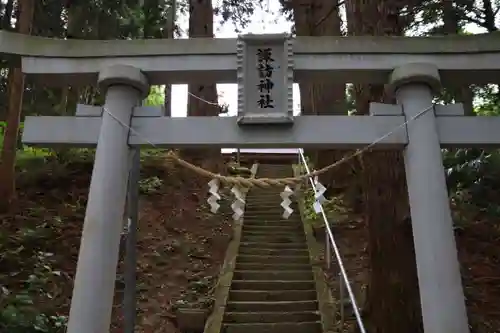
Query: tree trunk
{"points": [[321, 18], [393, 303], [16, 90], [206, 101], [7, 16], [170, 33], [70, 95], [462, 94], [6, 24], [489, 16]]}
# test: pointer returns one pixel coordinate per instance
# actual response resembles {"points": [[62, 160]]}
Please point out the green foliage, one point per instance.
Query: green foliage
{"points": [[156, 96], [18, 310], [333, 207], [426, 16], [234, 169], [3, 125], [474, 176], [150, 185], [488, 98], [3, 128]]}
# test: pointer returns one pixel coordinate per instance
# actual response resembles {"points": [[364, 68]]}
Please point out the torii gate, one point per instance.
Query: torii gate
{"points": [[413, 67]]}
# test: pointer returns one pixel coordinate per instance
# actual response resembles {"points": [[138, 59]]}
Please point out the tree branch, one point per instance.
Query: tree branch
{"points": [[330, 12], [473, 20]]}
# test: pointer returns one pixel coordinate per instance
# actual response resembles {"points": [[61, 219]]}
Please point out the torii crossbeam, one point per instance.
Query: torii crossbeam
{"points": [[125, 72]]}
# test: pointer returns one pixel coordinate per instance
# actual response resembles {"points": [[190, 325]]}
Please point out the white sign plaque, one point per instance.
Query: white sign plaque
{"points": [[265, 79]]}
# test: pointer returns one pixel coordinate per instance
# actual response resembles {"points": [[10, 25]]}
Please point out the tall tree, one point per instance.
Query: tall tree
{"points": [[7, 15], [202, 97], [451, 26], [16, 91], [393, 283], [320, 18], [5, 24], [169, 32]]}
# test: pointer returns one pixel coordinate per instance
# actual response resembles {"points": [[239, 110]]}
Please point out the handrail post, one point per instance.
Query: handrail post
{"points": [[129, 295], [328, 255], [342, 302]]}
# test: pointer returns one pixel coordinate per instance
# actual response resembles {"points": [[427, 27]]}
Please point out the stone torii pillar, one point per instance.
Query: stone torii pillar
{"points": [[441, 291], [94, 285]]}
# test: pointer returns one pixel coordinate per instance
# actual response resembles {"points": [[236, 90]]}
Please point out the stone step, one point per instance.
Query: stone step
{"points": [[272, 219], [264, 167], [285, 233], [298, 245], [277, 214], [271, 267], [264, 204], [272, 206], [269, 207], [273, 228], [291, 226], [274, 215], [280, 223], [306, 327], [270, 225], [259, 201], [297, 233], [266, 208], [264, 238], [245, 258], [267, 201], [268, 215], [271, 306], [264, 197], [272, 295], [272, 285], [262, 251], [273, 275], [271, 317]]}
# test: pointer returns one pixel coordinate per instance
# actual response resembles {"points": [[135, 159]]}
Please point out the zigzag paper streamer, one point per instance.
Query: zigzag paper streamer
{"points": [[239, 203], [320, 190], [285, 195], [214, 195]]}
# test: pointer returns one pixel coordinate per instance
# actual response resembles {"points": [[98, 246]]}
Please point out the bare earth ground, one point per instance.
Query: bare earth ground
{"points": [[479, 255], [181, 245]]}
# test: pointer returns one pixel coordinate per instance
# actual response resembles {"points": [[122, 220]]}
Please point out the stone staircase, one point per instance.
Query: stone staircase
{"points": [[273, 288]]}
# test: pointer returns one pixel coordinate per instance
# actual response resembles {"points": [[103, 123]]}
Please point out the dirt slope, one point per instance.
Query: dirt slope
{"points": [[181, 245], [479, 254]]}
